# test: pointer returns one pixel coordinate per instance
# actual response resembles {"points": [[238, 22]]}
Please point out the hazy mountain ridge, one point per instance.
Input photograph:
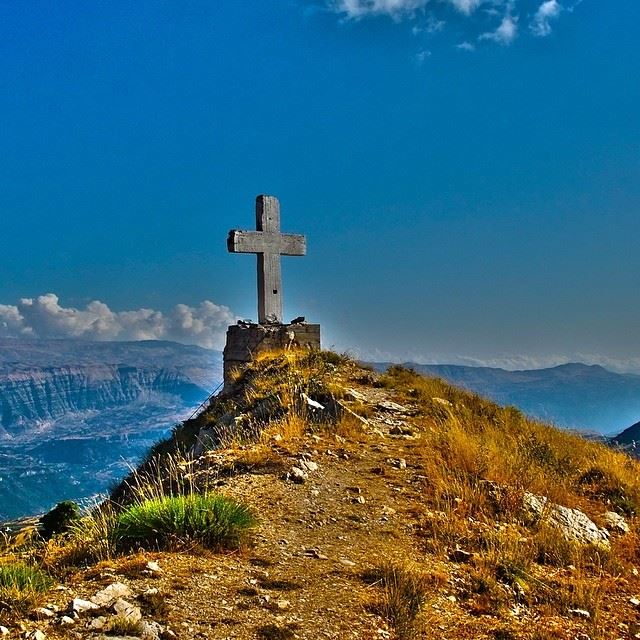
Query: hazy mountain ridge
{"points": [[630, 436], [574, 395]]}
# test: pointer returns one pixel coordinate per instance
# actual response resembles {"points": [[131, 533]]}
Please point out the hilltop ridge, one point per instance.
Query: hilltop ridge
{"points": [[387, 506]]}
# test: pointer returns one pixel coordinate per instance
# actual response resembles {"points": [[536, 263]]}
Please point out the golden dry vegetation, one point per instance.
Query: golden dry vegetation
{"points": [[406, 522]]}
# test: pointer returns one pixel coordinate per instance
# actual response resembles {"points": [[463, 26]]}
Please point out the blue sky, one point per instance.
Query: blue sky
{"points": [[467, 172]]}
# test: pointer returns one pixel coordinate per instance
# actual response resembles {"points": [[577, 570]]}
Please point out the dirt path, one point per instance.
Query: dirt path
{"points": [[304, 574]]}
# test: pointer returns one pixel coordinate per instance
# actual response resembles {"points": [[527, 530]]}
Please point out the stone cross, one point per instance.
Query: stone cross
{"points": [[269, 244]]}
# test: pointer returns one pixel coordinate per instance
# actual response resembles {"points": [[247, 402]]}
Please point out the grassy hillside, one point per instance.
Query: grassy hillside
{"points": [[574, 395], [320, 499]]}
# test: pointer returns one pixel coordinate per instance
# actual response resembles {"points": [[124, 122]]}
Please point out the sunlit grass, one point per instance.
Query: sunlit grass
{"points": [[22, 585], [212, 520]]}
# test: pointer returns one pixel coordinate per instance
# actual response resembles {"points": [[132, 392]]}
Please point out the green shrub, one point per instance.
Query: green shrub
{"points": [[212, 520], [21, 584], [59, 519]]}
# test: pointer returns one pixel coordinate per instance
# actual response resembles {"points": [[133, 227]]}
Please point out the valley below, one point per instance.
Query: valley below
{"points": [[76, 416], [81, 455]]}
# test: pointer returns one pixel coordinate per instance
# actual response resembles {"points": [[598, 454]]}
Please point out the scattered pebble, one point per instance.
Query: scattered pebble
{"points": [[297, 475], [42, 613], [98, 623], [308, 465], [153, 567], [580, 613], [460, 555], [79, 606]]}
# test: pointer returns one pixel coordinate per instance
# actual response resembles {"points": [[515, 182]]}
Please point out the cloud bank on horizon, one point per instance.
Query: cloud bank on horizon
{"points": [[43, 317], [498, 21], [205, 325], [511, 362]]}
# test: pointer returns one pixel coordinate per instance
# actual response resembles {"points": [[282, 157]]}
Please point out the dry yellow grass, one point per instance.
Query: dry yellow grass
{"points": [[472, 441], [466, 442], [470, 462]]}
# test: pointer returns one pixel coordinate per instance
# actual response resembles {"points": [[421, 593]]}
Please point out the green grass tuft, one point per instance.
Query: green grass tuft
{"points": [[211, 520], [21, 585]]}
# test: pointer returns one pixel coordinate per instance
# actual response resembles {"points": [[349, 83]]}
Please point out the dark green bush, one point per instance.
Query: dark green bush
{"points": [[59, 519]]}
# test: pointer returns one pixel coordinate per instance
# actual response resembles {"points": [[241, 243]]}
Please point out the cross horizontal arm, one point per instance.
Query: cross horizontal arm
{"points": [[286, 244], [292, 244]]}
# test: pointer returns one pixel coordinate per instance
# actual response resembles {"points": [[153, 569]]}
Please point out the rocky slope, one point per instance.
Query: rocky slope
{"points": [[389, 507]]}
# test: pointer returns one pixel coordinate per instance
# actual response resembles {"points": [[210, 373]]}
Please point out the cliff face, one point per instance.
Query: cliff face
{"points": [[49, 393]]}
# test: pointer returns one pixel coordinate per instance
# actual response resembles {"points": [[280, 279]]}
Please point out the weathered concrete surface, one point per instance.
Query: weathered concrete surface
{"points": [[245, 341]]}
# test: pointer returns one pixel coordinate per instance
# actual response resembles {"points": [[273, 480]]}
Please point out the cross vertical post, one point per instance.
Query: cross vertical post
{"points": [[269, 271]]}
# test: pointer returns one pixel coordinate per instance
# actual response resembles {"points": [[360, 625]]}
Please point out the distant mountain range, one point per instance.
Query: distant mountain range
{"points": [[577, 396], [75, 414]]}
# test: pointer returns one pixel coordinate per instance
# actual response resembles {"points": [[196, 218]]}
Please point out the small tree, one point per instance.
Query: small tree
{"points": [[59, 519]]}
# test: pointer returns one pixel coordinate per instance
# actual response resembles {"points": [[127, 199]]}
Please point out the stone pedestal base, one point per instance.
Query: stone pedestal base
{"points": [[244, 341]]}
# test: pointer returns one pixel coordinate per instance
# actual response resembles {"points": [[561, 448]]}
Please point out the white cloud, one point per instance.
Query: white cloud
{"points": [[466, 6], [506, 33], [432, 25], [11, 322], [397, 9], [356, 9], [422, 56], [541, 23], [44, 317], [466, 46], [428, 17]]}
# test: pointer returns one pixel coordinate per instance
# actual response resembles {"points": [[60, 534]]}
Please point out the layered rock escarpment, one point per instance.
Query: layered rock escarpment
{"points": [[75, 414], [44, 380], [51, 392]]}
